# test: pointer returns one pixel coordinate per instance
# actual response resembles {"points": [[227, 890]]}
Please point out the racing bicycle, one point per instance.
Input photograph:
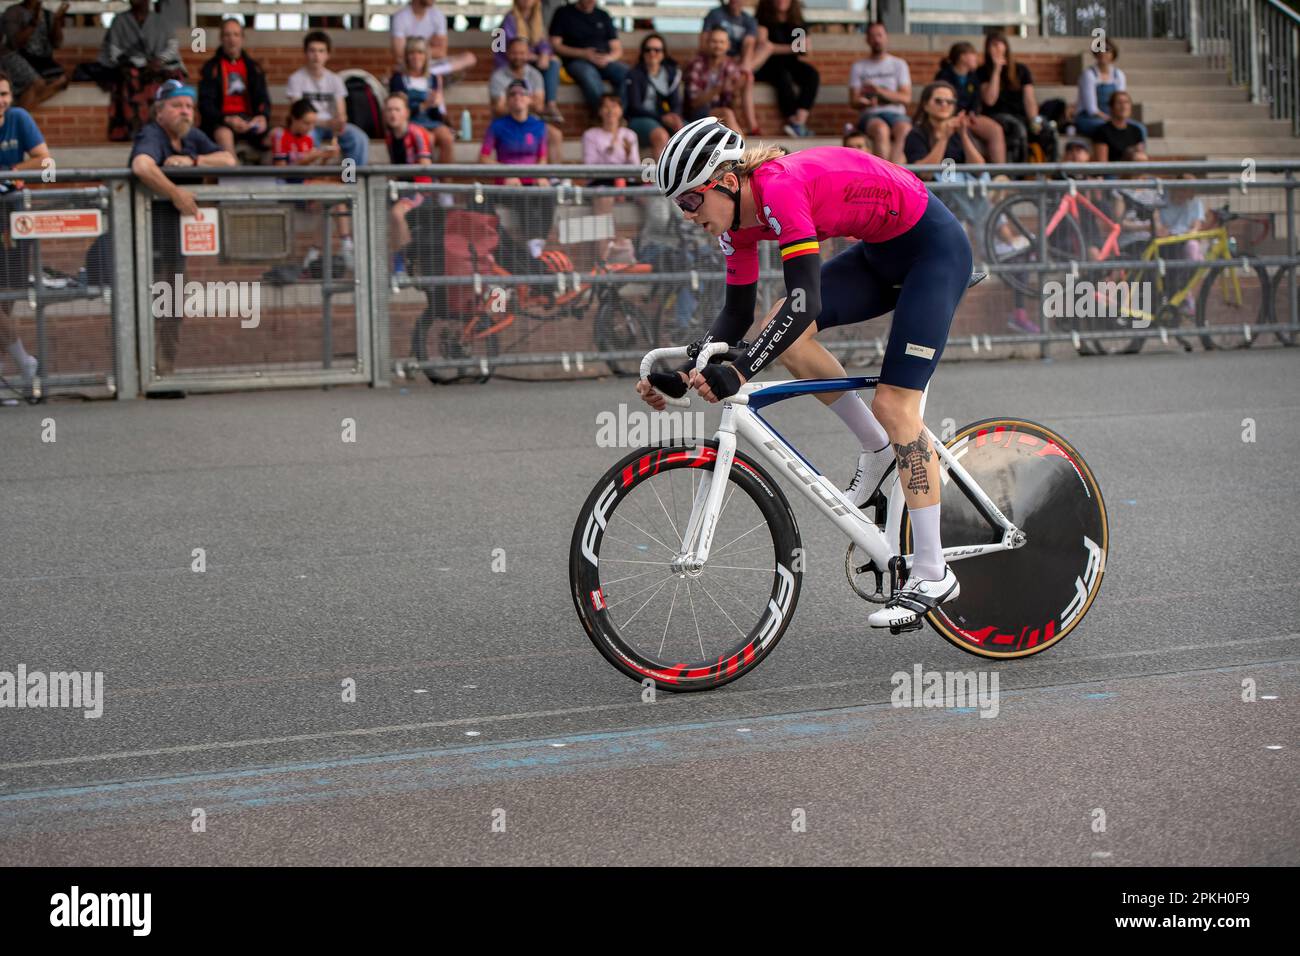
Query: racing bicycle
{"points": [[686, 562]]}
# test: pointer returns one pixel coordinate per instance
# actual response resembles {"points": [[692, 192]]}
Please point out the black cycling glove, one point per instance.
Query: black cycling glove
{"points": [[724, 380], [668, 383]]}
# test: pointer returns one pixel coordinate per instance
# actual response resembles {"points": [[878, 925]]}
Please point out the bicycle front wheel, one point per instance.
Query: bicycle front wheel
{"points": [[683, 630], [1229, 300], [1021, 602], [1286, 285]]}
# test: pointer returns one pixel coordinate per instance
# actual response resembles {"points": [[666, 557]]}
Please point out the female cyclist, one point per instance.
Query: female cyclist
{"points": [[913, 259]]}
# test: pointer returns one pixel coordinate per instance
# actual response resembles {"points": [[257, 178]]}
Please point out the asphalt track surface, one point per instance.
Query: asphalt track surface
{"points": [[478, 692]]}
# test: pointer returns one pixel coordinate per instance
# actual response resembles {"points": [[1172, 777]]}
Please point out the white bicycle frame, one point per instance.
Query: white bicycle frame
{"points": [[782, 458]]}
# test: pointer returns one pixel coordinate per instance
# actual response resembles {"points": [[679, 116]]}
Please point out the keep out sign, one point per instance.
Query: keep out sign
{"points": [[56, 224]]}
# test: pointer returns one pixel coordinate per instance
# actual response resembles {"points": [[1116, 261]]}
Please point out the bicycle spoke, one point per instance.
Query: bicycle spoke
{"points": [[639, 574], [724, 614], [761, 524], [671, 524], [667, 577], [635, 547], [664, 638], [648, 535], [647, 601], [695, 618]]}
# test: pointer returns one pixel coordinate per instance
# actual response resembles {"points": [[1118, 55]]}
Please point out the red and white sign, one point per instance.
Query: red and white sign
{"points": [[200, 235], [56, 224]]}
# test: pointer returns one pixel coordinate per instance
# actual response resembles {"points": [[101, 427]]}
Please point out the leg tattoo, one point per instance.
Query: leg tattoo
{"points": [[912, 459]]}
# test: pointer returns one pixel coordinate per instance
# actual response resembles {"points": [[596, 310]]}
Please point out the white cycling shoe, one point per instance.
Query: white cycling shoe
{"points": [[872, 468], [910, 603]]}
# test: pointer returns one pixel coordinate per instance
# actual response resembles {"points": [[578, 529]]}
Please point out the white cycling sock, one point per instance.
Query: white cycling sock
{"points": [[853, 411], [17, 351], [927, 555]]}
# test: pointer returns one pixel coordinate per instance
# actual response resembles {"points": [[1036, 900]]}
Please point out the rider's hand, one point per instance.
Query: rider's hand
{"points": [[717, 382], [660, 384]]}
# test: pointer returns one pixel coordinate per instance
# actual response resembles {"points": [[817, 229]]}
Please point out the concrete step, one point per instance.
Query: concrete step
{"points": [[1148, 111], [1139, 79], [1226, 128], [1225, 147]]}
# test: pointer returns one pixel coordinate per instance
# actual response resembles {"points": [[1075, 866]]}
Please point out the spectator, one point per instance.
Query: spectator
{"points": [[1097, 84], [783, 32], [21, 147], [408, 145], [1118, 134], [328, 95], [518, 68], [1184, 213], [138, 54], [1076, 151], [715, 82], [742, 46], [293, 144], [652, 95], [420, 18], [609, 144], [584, 37], [1007, 96], [856, 139], [958, 70], [34, 34], [171, 139], [233, 100], [526, 20], [880, 85], [939, 132], [425, 102], [519, 139]]}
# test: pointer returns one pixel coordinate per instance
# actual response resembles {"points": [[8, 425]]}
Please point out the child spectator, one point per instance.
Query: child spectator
{"points": [[328, 95], [408, 145], [856, 139], [609, 144]]}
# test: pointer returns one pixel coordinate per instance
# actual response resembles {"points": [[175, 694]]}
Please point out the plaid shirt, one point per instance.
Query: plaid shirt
{"points": [[699, 77]]}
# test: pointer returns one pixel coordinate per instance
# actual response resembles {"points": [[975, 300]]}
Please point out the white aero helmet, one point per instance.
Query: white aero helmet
{"points": [[694, 154]]}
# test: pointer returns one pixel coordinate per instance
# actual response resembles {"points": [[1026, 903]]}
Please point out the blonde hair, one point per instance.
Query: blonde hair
{"points": [[756, 156], [534, 31]]}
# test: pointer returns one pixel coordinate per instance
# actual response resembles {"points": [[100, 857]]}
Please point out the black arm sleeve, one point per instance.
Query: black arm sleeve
{"points": [[803, 303], [734, 320]]}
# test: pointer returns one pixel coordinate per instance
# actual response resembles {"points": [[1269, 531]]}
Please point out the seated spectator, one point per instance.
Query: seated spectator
{"points": [[958, 70], [233, 100], [715, 83], [584, 37], [939, 132], [1112, 138], [519, 139], [742, 46], [518, 68], [652, 95], [34, 34], [171, 139], [783, 32], [880, 85], [1097, 84], [1182, 214], [425, 102], [1076, 151], [856, 139], [609, 144], [139, 54], [408, 145], [293, 144], [21, 147], [329, 96], [422, 19], [525, 20], [1007, 96]]}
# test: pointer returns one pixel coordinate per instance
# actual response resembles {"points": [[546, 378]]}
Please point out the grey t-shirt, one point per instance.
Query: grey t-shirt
{"points": [[737, 27], [888, 73], [502, 78]]}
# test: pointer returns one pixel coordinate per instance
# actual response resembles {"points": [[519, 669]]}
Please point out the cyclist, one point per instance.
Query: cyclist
{"points": [[913, 259]]}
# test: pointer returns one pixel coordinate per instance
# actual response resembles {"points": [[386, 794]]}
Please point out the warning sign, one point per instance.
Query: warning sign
{"points": [[56, 224], [200, 234]]}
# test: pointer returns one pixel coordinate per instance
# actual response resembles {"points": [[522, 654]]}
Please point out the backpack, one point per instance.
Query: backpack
{"points": [[363, 99]]}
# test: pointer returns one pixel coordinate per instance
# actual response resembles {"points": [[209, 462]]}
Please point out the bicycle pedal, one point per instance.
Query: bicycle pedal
{"points": [[903, 628]]}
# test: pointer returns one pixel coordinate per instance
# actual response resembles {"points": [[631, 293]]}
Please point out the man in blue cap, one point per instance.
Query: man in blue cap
{"points": [[171, 139]]}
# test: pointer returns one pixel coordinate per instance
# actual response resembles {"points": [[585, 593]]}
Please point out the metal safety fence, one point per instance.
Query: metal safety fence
{"points": [[466, 272]]}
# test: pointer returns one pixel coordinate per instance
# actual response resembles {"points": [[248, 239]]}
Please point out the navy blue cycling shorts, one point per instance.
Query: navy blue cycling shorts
{"points": [[920, 276]]}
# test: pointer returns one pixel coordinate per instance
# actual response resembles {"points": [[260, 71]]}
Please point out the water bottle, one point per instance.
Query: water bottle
{"points": [[466, 127]]}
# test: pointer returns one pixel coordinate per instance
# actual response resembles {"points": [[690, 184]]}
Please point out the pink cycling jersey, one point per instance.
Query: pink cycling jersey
{"points": [[821, 193]]}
